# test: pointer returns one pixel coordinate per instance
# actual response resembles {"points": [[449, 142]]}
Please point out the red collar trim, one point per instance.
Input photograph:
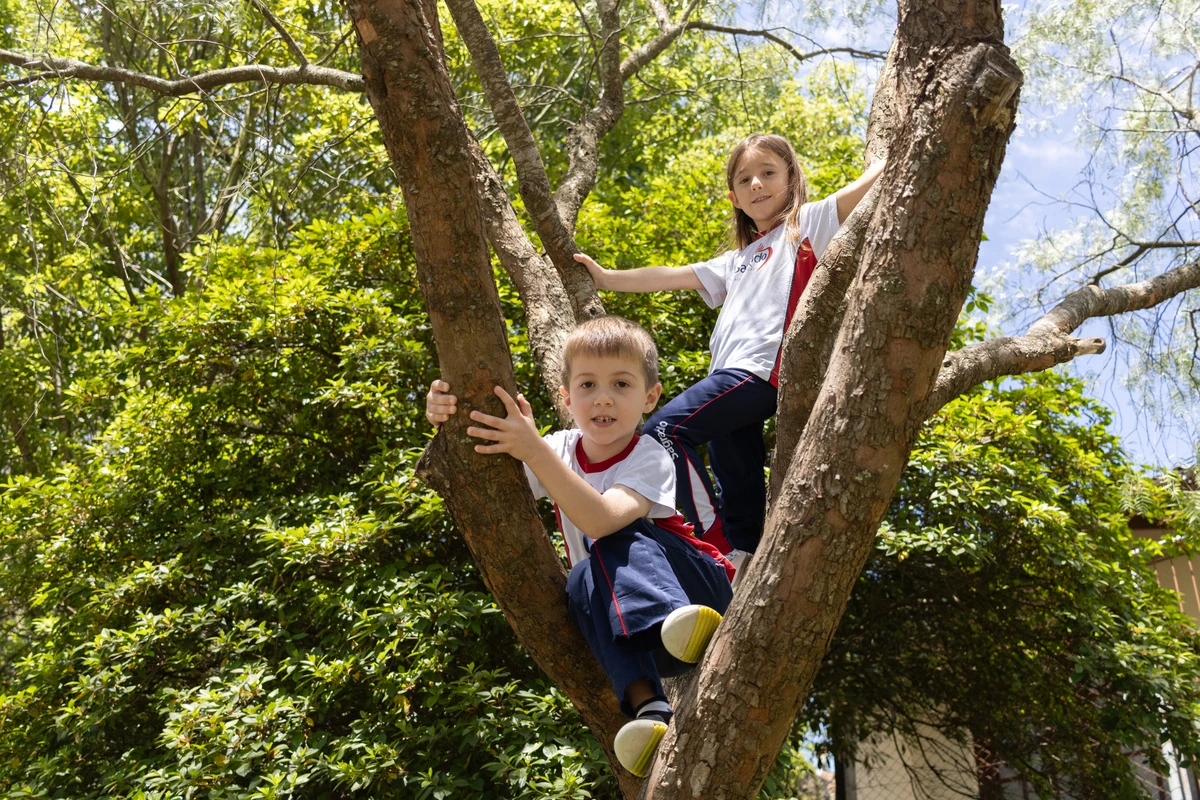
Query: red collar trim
{"points": [[588, 466], [761, 234]]}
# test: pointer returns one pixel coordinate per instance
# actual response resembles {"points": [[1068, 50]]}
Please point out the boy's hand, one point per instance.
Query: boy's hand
{"points": [[439, 406], [516, 434], [599, 274]]}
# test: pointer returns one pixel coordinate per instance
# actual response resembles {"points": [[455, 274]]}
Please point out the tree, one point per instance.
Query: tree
{"points": [[943, 113], [1131, 70]]}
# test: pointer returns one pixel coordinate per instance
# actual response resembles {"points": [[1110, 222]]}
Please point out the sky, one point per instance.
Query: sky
{"points": [[1042, 165]]}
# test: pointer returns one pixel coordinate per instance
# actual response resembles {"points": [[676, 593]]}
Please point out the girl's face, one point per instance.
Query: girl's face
{"points": [[760, 187]]}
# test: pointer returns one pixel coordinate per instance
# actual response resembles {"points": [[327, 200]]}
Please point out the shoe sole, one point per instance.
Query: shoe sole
{"points": [[636, 743], [687, 631]]}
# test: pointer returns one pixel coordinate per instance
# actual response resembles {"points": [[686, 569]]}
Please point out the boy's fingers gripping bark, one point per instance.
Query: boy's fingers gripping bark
{"points": [[486, 419], [510, 405], [439, 406]]}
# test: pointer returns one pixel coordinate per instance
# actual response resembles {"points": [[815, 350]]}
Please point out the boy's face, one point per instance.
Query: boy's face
{"points": [[607, 396], [760, 186]]}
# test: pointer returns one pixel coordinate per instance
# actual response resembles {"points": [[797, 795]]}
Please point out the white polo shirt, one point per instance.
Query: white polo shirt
{"points": [[758, 288], [643, 466]]}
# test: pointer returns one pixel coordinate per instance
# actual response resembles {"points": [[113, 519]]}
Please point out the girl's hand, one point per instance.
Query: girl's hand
{"points": [[515, 434], [439, 406], [599, 274]]}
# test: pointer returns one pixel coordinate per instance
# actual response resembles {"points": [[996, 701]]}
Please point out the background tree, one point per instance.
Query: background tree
{"points": [[1131, 70]]}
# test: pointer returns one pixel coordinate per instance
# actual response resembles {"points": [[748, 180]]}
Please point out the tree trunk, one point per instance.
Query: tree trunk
{"points": [[488, 497], [957, 93]]}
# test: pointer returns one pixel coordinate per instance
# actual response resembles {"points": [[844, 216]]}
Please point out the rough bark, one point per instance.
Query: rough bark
{"points": [[808, 342], [488, 497], [957, 89], [548, 312], [885, 118]]}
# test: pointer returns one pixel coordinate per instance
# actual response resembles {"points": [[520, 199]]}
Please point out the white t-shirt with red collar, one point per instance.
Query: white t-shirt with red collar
{"points": [[643, 466], [758, 288]]}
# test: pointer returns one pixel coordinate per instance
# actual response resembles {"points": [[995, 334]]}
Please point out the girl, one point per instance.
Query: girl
{"points": [[776, 238]]}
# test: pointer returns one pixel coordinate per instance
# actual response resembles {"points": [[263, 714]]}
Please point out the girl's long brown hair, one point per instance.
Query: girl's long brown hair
{"points": [[742, 229]]}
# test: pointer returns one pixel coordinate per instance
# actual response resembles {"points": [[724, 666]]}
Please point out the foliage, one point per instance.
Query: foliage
{"points": [[239, 589], [1008, 594]]}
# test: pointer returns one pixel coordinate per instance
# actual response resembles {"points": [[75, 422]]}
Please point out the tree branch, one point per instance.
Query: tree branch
{"points": [[808, 342], [197, 84], [1048, 341], [277, 25], [1092, 301], [488, 498], [547, 308], [583, 141], [652, 49], [957, 107], [784, 43], [1142, 248], [532, 180]]}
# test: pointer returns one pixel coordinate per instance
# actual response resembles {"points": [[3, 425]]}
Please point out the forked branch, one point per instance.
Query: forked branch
{"points": [[1048, 341]]}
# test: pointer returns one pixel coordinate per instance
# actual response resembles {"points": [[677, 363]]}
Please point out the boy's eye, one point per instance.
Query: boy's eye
{"points": [[623, 384]]}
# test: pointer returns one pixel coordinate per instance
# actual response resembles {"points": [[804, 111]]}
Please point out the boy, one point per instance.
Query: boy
{"points": [[645, 592]]}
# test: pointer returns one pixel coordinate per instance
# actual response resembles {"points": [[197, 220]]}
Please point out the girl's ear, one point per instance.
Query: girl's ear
{"points": [[733, 199]]}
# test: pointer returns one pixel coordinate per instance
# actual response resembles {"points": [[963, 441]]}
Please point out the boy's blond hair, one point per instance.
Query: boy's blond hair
{"points": [[611, 336]]}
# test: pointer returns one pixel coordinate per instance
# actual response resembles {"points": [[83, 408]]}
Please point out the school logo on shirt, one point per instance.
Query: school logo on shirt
{"points": [[761, 256]]}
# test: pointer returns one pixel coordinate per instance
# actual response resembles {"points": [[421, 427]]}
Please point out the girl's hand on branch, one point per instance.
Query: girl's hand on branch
{"points": [[515, 434], [440, 406], [599, 274]]}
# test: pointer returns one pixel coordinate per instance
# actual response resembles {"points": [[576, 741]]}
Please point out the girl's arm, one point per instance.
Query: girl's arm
{"points": [[643, 279], [849, 195]]}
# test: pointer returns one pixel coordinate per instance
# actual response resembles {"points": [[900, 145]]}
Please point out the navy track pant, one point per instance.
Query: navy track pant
{"points": [[727, 410], [621, 594]]}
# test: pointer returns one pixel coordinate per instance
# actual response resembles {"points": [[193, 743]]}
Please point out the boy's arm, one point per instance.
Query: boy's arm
{"points": [[850, 194], [596, 514], [642, 279]]}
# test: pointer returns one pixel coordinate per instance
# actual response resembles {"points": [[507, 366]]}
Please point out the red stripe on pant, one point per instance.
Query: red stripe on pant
{"points": [[611, 591]]}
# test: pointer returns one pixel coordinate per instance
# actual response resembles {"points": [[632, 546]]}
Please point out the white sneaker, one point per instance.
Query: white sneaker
{"points": [[636, 742], [686, 631]]}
